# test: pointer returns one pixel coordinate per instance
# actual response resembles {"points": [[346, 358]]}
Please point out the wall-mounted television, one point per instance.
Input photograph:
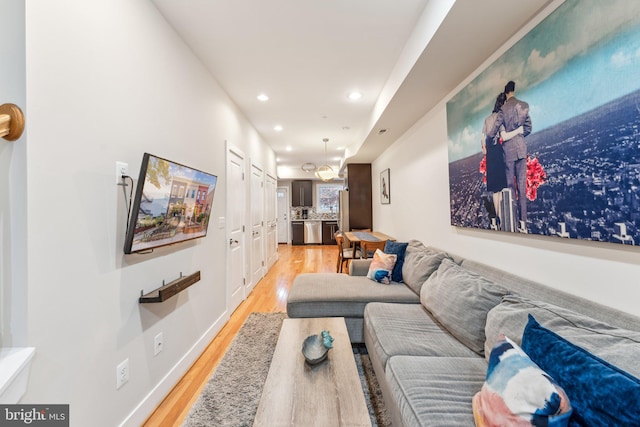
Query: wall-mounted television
{"points": [[172, 204]]}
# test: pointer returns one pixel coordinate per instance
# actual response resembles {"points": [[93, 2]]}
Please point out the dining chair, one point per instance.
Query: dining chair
{"points": [[345, 253], [368, 247]]}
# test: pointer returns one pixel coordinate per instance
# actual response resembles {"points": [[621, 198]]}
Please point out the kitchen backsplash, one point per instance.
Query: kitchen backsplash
{"points": [[296, 213]]}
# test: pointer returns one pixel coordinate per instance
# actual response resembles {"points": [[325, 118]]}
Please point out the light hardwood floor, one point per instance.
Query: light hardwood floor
{"points": [[269, 295]]}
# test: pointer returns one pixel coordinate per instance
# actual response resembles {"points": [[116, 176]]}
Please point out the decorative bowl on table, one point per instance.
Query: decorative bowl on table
{"points": [[316, 347]]}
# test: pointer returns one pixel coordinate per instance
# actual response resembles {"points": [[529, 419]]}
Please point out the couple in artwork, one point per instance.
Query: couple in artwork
{"points": [[503, 143]]}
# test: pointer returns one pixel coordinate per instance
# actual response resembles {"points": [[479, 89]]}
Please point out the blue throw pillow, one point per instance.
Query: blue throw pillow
{"points": [[397, 248], [601, 394]]}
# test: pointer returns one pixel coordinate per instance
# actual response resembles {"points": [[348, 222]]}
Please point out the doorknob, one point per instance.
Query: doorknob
{"points": [[231, 241], [11, 122]]}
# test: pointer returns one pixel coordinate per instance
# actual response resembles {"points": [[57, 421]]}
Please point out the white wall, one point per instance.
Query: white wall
{"points": [[13, 165], [419, 209], [106, 81]]}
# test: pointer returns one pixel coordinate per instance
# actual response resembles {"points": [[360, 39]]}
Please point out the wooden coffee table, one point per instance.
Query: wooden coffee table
{"points": [[299, 394]]}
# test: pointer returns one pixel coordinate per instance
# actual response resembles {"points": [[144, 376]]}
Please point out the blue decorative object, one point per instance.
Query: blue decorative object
{"points": [[601, 394], [399, 249], [327, 339]]}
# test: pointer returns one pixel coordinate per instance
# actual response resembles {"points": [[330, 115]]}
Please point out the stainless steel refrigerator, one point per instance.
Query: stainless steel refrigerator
{"points": [[343, 214]]}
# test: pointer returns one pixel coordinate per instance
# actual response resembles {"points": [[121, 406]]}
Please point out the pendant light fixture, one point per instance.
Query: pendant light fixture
{"points": [[324, 172], [308, 167]]}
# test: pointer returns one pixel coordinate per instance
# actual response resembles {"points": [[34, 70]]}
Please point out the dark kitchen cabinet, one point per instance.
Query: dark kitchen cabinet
{"points": [[297, 232], [329, 228], [358, 180], [301, 193]]}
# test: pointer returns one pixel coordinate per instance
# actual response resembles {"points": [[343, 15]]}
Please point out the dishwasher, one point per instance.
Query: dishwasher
{"points": [[313, 232]]}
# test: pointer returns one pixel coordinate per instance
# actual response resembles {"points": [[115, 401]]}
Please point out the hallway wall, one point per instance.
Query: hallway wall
{"points": [[108, 80]]}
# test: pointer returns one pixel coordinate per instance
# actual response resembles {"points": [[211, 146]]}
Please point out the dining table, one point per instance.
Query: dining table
{"points": [[355, 237]]}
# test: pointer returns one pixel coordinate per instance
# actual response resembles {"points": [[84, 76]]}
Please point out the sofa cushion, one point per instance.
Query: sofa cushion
{"points": [[460, 300], [419, 263], [601, 394], [340, 295], [435, 391], [527, 288], [359, 267], [518, 393], [407, 329], [620, 347], [399, 249], [381, 267]]}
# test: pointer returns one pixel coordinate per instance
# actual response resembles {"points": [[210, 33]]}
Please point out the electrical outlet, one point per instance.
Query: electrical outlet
{"points": [[122, 168], [158, 343], [122, 373]]}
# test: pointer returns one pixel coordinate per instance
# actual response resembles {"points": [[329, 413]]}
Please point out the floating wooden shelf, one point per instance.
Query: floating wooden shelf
{"points": [[170, 289]]}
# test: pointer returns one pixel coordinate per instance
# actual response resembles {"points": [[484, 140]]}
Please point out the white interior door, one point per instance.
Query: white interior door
{"points": [[282, 195], [13, 181], [257, 225], [272, 221], [235, 226]]}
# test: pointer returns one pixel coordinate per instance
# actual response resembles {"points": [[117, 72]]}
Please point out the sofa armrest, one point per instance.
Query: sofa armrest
{"points": [[359, 267]]}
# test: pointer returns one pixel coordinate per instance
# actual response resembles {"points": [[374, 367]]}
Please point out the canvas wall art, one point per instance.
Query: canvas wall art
{"points": [[567, 137], [385, 187]]}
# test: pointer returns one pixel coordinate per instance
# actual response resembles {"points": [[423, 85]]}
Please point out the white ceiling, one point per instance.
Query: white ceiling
{"points": [[307, 55]]}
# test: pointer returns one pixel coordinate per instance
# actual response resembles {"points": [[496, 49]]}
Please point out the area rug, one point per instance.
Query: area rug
{"points": [[232, 393]]}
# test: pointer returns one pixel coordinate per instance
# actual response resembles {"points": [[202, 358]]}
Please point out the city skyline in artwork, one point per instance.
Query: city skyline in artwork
{"points": [[579, 71]]}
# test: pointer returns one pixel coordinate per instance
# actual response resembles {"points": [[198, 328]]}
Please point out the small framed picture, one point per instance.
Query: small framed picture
{"points": [[385, 187]]}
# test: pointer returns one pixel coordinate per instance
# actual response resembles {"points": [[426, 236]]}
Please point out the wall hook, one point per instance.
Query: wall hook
{"points": [[11, 122]]}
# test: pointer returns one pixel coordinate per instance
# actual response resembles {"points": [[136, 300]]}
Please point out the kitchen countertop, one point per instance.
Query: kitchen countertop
{"points": [[314, 219]]}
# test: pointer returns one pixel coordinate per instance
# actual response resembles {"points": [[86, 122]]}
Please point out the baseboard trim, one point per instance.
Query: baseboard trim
{"points": [[151, 401]]}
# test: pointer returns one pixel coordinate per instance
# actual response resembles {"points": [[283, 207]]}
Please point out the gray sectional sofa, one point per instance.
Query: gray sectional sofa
{"points": [[429, 337]]}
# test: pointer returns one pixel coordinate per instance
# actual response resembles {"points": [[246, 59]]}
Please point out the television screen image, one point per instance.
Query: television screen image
{"points": [[172, 204]]}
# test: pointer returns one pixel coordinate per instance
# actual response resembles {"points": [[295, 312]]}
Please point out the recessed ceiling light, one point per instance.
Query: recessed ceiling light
{"points": [[277, 128], [288, 148], [277, 159], [354, 96], [262, 97]]}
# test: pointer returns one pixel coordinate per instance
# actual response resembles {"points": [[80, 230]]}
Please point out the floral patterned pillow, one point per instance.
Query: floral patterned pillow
{"points": [[382, 266], [518, 393]]}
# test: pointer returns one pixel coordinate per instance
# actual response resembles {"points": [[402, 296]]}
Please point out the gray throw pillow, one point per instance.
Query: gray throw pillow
{"points": [[620, 347], [419, 263], [460, 301]]}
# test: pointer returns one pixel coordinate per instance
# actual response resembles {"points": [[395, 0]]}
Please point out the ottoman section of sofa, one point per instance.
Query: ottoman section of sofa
{"points": [[339, 295]]}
